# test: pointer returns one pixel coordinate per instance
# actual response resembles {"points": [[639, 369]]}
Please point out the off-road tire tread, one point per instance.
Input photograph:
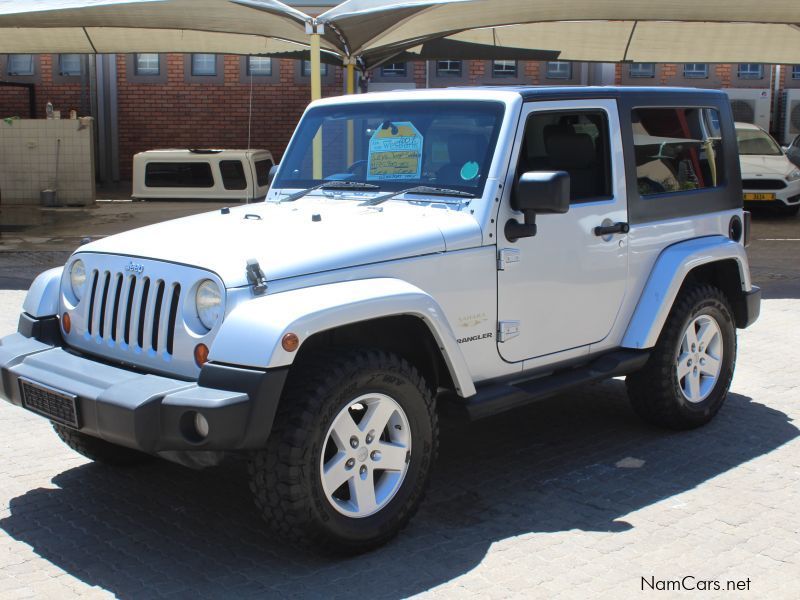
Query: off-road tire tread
{"points": [[276, 472], [650, 390], [100, 450]]}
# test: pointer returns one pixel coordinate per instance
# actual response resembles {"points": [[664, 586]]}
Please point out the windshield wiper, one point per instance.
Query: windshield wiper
{"points": [[420, 189], [332, 185]]}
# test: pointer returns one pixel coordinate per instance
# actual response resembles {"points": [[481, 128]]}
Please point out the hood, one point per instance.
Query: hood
{"points": [[772, 166], [308, 236]]}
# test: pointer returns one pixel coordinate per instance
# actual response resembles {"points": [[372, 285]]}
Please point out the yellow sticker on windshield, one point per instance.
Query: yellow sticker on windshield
{"points": [[395, 152]]}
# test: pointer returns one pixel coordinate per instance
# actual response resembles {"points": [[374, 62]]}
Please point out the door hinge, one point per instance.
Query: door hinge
{"points": [[507, 256], [507, 330]]}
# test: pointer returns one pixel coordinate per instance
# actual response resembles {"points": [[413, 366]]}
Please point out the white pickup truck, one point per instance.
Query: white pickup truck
{"points": [[481, 248]]}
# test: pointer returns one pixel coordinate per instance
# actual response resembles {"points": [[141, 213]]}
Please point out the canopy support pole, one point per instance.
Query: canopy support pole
{"points": [[314, 30], [351, 89]]}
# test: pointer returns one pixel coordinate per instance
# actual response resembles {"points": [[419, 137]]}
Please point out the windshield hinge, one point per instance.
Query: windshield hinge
{"points": [[507, 256], [507, 330], [256, 277]]}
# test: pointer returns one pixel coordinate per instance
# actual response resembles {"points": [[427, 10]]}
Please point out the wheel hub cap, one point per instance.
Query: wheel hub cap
{"points": [[365, 455], [699, 359]]}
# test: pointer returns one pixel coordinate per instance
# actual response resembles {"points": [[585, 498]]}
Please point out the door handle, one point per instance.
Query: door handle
{"points": [[611, 229]]}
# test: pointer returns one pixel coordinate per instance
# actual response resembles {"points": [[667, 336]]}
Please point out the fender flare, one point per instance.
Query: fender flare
{"points": [[666, 278], [251, 334], [42, 299]]}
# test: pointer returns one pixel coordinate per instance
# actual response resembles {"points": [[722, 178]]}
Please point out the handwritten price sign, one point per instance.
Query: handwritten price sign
{"points": [[395, 152]]}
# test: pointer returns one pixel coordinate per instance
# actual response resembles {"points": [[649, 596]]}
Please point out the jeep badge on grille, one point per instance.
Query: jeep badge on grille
{"points": [[133, 267]]}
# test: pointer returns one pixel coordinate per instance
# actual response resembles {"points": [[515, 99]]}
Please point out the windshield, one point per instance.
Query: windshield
{"points": [[395, 145], [756, 142]]}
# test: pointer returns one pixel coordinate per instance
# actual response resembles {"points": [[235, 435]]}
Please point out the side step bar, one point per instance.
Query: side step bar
{"points": [[497, 398]]}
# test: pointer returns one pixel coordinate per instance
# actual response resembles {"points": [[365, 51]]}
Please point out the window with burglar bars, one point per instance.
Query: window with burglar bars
{"points": [[147, 64], [69, 65], [750, 71], [394, 70], [642, 70], [695, 70], [259, 65], [204, 64], [504, 68], [20, 64], [305, 69], [448, 68], [558, 70]]}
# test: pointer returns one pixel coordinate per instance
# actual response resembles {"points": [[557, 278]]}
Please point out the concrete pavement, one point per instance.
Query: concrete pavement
{"points": [[571, 498]]}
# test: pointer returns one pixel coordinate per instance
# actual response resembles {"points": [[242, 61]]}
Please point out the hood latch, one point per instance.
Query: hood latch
{"points": [[256, 277]]}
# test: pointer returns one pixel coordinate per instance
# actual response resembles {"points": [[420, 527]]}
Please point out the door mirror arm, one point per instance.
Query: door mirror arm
{"points": [[537, 192]]}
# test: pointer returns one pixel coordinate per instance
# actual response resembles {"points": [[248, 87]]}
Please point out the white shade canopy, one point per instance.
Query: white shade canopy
{"points": [[108, 26], [590, 30]]}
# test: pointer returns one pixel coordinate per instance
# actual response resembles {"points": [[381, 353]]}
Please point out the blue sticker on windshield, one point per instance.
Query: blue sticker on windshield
{"points": [[470, 170]]}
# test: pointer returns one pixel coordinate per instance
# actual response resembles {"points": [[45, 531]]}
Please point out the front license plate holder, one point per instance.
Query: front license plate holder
{"points": [[56, 405]]}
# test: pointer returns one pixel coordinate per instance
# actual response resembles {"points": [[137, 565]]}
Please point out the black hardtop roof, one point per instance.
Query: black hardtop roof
{"points": [[611, 91]]}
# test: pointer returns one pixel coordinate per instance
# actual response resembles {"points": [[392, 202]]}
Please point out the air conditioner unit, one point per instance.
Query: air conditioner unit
{"points": [[751, 105], [791, 116]]}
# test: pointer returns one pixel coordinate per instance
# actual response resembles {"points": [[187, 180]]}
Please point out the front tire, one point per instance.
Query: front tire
{"points": [[350, 453], [100, 450], [686, 380]]}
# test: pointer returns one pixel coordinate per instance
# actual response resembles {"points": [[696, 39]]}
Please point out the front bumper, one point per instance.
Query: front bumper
{"points": [[788, 196], [147, 412]]}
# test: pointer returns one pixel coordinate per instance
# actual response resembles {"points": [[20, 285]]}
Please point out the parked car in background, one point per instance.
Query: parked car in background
{"points": [[207, 174], [768, 177], [793, 151]]}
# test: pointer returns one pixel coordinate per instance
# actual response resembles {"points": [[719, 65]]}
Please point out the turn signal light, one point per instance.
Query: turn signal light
{"points": [[66, 323], [201, 354], [290, 342]]}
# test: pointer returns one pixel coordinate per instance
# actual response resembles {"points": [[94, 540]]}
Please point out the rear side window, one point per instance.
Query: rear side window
{"points": [[262, 171], [573, 141], [232, 172], [178, 175], [677, 149]]}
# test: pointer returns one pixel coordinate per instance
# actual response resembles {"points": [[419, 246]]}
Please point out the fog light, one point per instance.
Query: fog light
{"points": [[201, 354], [66, 323], [201, 425]]}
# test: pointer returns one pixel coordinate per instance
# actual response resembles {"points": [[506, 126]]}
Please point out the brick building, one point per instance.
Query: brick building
{"points": [[146, 101]]}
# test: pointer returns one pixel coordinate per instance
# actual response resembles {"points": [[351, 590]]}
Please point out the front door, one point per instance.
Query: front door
{"points": [[562, 288]]}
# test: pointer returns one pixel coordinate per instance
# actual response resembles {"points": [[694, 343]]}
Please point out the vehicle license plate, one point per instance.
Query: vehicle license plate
{"points": [[51, 403], [752, 196]]}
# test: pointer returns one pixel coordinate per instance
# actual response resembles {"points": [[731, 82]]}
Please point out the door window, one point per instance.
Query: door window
{"points": [[573, 141]]}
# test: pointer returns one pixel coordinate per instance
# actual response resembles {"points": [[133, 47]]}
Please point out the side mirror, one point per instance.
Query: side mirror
{"points": [[537, 192], [272, 171]]}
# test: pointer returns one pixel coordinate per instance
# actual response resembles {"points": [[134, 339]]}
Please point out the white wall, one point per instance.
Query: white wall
{"points": [[28, 160]]}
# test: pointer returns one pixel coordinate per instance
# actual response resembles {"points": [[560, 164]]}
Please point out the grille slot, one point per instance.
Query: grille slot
{"points": [[763, 184], [135, 313], [91, 302], [143, 311], [173, 315]]}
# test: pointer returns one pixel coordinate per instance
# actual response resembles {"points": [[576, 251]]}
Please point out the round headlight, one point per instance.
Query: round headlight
{"points": [[77, 278], [208, 301]]}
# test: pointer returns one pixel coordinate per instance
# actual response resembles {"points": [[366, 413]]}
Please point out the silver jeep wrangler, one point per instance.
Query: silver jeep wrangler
{"points": [[480, 248]]}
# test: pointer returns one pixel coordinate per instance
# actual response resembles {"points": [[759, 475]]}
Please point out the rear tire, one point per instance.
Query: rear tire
{"points": [[686, 380], [349, 457], [100, 450]]}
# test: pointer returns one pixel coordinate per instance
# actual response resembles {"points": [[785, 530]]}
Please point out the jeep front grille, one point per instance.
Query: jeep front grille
{"points": [[136, 313]]}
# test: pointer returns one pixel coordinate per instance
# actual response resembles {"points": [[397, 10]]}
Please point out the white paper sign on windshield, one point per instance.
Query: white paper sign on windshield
{"points": [[395, 152]]}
